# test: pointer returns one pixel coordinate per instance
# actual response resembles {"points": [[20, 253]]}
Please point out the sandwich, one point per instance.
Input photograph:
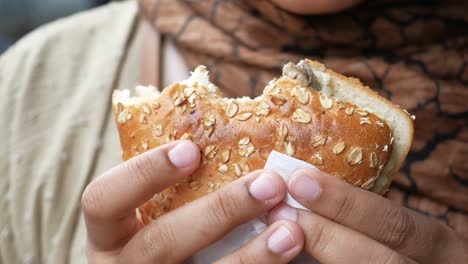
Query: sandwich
{"points": [[310, 113]]}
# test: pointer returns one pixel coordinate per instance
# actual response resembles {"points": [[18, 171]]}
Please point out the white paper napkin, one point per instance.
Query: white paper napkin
{"points": [[283, 165]]}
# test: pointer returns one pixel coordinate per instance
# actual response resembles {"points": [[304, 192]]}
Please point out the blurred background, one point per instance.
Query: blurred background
{"points": [[18, 17]]}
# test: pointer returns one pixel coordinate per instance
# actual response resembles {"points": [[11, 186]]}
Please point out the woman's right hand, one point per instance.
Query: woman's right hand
{"points": [[115, 235]]}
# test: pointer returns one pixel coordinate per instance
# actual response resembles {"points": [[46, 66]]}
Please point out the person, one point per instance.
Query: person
{"points": [[67, 197]]}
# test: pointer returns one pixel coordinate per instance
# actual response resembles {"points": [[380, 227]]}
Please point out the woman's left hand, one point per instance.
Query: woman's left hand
{"points": [[347, 224]]}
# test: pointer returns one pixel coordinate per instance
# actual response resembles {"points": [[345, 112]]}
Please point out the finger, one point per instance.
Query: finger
{"points": [[279, 243], [366, 212], [109, 202], [330, 242], [186, 230]]}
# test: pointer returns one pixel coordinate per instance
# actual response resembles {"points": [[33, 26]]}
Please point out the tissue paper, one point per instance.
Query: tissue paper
{"points": [[283, 165]]}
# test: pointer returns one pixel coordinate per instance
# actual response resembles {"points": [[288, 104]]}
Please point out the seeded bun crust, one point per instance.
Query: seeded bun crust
{"points": [[303, 114]]}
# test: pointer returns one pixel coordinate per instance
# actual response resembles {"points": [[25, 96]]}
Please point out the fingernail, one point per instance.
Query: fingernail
{"points": [[281, 241], [183, 155], [264, 187], [304, 187], [284, 212]]}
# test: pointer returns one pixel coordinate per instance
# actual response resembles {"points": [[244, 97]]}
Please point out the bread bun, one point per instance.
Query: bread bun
{"points": [[310, 113]]}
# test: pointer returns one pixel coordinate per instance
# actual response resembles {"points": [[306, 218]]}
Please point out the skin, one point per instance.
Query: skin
{"points": [[314, 7], [352, 225]]}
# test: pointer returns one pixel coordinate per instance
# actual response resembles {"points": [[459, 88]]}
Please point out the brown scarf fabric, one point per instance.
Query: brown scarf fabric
{"points": [[414, 54]]}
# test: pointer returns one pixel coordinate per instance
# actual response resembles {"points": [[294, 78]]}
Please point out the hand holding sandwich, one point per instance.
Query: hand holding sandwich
{"points": [[116, 235], [342, 228], [350, 225]]}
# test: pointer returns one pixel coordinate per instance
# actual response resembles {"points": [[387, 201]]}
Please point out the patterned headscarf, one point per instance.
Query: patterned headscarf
{"points": [[412, 53]]}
